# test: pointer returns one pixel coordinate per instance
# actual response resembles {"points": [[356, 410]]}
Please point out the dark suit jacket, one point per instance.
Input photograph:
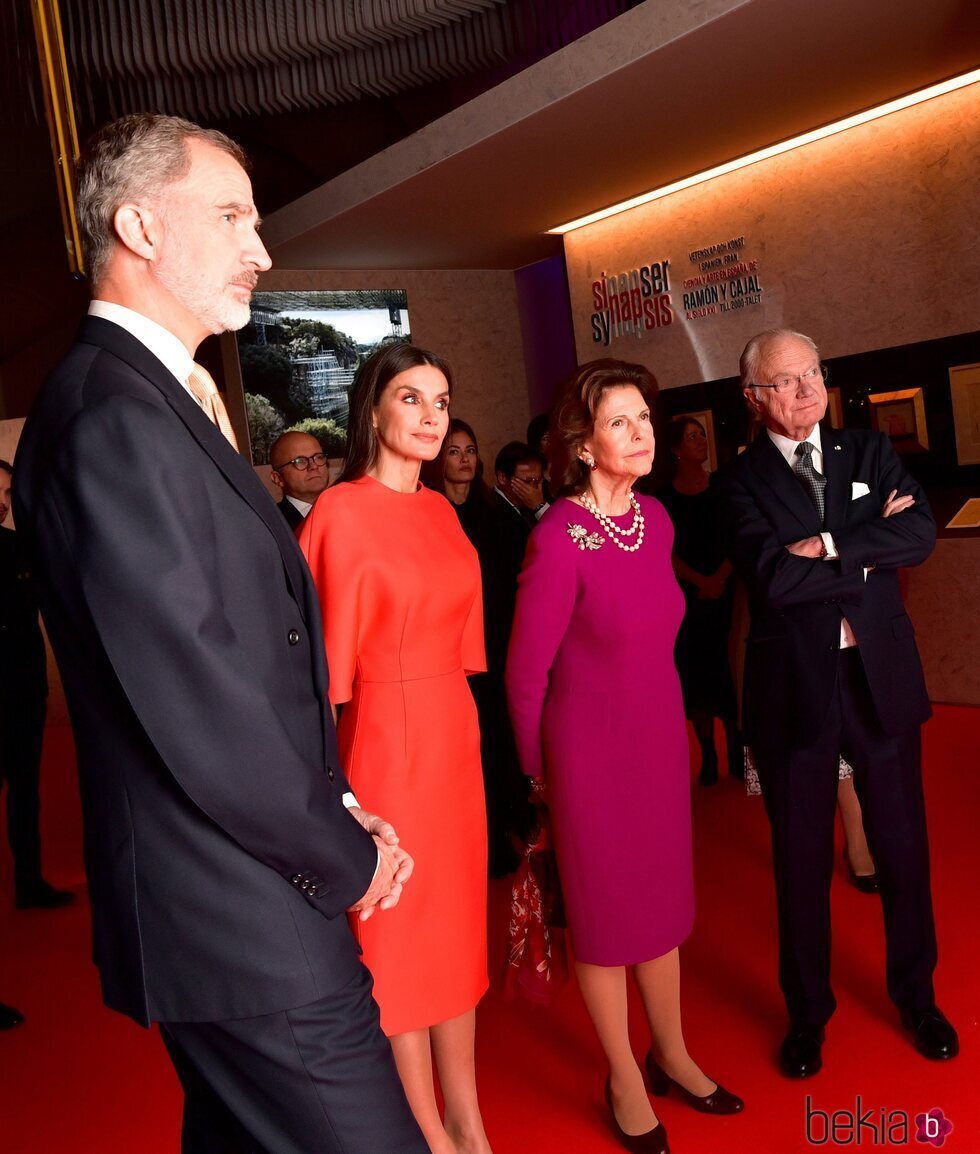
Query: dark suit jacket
{"points": [[187, 632], [796, 604], [501, 549], [294, 518]]}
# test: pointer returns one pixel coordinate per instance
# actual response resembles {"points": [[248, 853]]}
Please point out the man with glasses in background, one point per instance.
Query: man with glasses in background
{"points": [[820, 521], [299, 468]]}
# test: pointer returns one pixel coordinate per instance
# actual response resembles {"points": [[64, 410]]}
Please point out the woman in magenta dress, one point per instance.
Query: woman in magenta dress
{"points": [[596, 705]]}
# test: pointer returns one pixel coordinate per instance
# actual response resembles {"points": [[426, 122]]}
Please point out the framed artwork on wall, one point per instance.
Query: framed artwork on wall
{"points": [[703, 417], [902, 415], [299, 356], [835, 409], [964, 386]]}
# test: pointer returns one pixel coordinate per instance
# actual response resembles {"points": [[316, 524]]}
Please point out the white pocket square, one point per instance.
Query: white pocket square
{"points": [[859, 489]]}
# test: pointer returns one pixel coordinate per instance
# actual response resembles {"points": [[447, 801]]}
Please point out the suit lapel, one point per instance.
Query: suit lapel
{"points": [[776, 474], [235, 468], [838, 466]]}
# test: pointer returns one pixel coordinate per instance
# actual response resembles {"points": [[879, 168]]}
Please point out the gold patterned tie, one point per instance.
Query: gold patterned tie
{"points": [[202, 385]]}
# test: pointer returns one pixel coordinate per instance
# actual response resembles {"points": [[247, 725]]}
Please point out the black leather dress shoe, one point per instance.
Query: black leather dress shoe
{"points": [[932, 1033], [40, 895], [652, 1142], [9, 1017], [719, 1101], [799, 1055]]}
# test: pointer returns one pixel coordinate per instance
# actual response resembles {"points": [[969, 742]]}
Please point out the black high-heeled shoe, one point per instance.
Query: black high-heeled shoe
{"points": [[719, 1101], [652, 1142]]}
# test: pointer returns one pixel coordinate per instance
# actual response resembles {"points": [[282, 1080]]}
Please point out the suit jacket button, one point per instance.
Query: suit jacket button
{"points": [[293, 637], [329, 773], [312, 891], [296, 879]]}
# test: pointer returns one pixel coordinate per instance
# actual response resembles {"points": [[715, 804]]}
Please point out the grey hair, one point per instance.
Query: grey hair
{"points": [[748, 364], [133, 159]]}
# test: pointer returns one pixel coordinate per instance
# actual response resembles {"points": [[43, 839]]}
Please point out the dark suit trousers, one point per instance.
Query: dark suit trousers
{"points": [[21, 738], [799, 787], [319, 1079]]}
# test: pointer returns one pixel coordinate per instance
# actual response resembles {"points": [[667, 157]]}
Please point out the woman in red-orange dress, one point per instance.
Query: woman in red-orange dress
{"points": [[399, 585]]}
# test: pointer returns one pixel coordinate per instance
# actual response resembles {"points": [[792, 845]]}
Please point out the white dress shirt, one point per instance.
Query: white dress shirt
{"points": [[787, 448], [301, 507], [162, 343]]}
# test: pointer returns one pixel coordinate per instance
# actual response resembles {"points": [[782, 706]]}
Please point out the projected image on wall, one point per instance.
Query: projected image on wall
{"points": [[300, 354]]}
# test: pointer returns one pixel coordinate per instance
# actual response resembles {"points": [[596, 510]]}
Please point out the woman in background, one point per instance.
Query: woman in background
{"points": [[399, 585], [597, 613], [706, 580], [458, 473]]}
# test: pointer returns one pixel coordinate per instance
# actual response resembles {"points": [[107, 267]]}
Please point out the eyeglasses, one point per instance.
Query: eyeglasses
{"points": [[787, 381], [303, 463]]}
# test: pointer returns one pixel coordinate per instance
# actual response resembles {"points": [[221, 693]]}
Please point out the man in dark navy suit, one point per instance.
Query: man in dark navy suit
{"points": [[299, 468], [223, 846], [821, 520]]}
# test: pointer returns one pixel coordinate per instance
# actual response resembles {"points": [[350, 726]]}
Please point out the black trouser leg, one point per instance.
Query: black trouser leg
{"points": [[208, 1126], [319, 1079], [888, 781], [799, 788], [21, 739]]}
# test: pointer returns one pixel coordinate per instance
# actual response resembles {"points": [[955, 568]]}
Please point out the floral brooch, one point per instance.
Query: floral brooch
{"points": [[590, 541]]}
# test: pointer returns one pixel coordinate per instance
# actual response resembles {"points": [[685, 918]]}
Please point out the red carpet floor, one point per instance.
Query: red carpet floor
{"points": [[77, 1079]]}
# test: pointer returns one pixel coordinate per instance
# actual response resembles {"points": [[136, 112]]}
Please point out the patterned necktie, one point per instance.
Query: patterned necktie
{"points": [[202, 385], [813, 482]]}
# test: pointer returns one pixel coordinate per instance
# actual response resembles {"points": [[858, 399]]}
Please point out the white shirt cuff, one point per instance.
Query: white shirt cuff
{"points": [[828, 544], [540, 511], [350, 801]]}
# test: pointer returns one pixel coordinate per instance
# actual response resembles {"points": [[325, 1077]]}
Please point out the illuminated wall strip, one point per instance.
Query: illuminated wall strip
{"points": [[870, 114]]}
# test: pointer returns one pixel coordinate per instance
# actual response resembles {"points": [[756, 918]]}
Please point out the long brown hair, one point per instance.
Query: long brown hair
{"points": [[378, 370], [573, 416]]}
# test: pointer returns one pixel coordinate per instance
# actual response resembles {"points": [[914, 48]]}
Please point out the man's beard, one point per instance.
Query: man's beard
{"points": [[215, 309]]}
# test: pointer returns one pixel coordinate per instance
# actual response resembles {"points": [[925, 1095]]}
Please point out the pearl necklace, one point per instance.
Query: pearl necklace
{"points": [[614, 531]]}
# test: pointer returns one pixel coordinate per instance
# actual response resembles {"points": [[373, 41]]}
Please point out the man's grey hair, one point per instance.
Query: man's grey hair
{"points": [[752, 354], [133, 159]]}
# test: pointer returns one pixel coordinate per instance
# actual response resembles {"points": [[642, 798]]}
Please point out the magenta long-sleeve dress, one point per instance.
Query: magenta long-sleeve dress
{"points": [[596, 704]]}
